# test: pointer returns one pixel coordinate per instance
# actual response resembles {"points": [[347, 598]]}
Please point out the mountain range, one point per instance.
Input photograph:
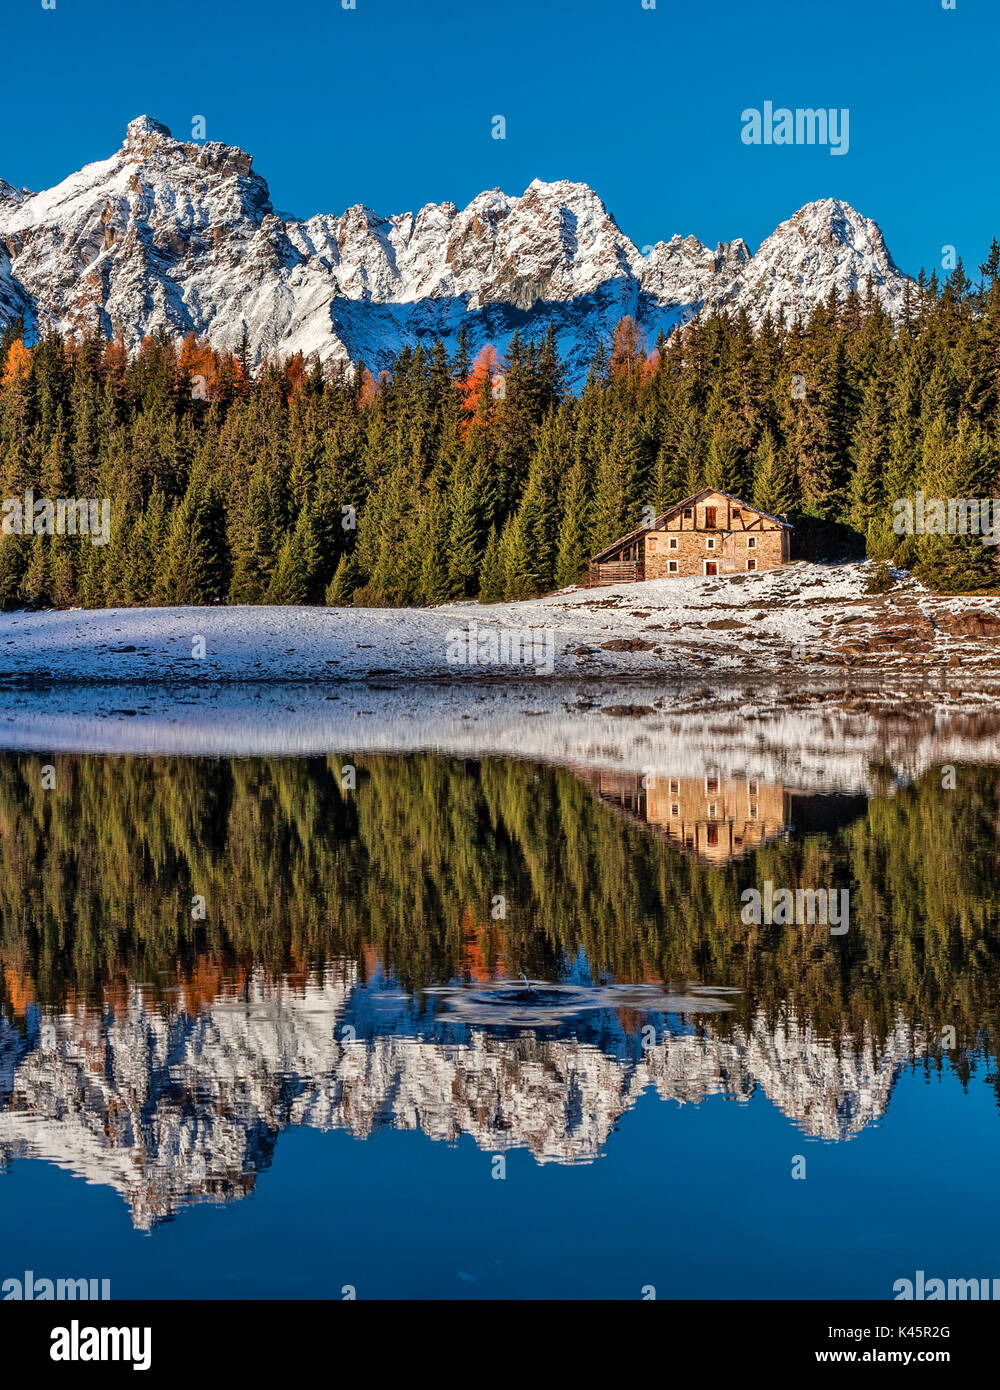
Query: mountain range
{"points": [[183, 237]]}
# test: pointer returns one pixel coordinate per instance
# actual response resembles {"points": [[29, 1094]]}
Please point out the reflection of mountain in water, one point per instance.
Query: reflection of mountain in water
{"points": [[719, 818], [170, 1108]]}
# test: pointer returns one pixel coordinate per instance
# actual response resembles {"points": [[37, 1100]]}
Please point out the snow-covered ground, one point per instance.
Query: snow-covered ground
{"points": [[775, 623]]}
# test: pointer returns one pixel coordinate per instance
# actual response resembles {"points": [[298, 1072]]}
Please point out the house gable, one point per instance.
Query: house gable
{"points": [[714, 510]]}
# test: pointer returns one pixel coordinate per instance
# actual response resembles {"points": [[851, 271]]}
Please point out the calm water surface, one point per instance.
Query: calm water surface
{"points": [[475, 1028]]}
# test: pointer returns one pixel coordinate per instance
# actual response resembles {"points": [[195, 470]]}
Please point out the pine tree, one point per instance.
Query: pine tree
{"points": [[957, 466], [464, 549], [723, 465], [346, 580], [523, 578], [196, 568], [34, 586], [492, 581], [297, 570], [431, 544], [771, 491], [618, 488], [253, 541], [13, 564], [573, 549]]}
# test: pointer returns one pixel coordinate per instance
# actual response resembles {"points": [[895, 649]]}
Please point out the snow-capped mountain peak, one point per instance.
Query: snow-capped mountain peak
{"points": [[182, 236], [826, 246], [142, 130]]}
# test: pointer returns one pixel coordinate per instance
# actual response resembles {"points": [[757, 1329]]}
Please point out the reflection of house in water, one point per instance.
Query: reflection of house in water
{"points": [[719, 818]]}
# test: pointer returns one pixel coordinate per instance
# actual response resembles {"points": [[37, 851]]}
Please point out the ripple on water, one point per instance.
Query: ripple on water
{"points": [[537, 1003]]}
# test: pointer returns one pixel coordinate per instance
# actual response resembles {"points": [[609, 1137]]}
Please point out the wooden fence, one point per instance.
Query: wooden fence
{"points": [[614, 572]]}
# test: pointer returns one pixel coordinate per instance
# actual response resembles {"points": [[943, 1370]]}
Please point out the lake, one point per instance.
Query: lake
{"points": [[443, 1021]]}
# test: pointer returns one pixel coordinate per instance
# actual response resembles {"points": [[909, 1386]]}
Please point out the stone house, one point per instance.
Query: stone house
{"points": [[709, 533]]}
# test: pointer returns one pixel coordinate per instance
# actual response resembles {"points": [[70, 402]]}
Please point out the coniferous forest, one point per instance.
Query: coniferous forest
{"points": [[456, 476], [297, 872]]}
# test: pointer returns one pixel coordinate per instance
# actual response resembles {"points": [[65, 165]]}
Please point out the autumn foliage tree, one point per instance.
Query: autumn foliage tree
{"points": [[17, 363], [479, 390]]}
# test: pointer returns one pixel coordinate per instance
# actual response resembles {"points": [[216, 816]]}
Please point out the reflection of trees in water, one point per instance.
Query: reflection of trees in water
{"points": [[96, 881]]}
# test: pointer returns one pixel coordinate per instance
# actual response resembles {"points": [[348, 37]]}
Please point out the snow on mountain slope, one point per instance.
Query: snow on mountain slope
{"points": [[826, 246], [183, 237], [12, 301]]}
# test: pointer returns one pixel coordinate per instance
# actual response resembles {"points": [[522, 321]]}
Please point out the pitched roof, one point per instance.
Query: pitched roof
{"points": [[658, 522]]}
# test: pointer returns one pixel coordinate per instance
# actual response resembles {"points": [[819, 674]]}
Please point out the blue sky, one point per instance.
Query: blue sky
{"points": [[391, 103]]}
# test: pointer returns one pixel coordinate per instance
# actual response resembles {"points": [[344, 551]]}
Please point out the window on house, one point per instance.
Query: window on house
{"points": [[752, 810], [737, 512], [675, 810], [687, 513], [675, 787], [671, 566], [710, 515], [651, 544], [713, 810], [712, 835], [751, 564], [751, 542], [751, 788], [712, 786], [710, 543], [672, 543]]}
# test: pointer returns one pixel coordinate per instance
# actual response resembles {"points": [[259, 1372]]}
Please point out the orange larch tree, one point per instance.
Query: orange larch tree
{"points": [[18, 362]]}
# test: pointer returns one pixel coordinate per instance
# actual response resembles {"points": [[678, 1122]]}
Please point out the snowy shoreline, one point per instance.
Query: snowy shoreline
{"points": [[776, 623], [815, 737]]}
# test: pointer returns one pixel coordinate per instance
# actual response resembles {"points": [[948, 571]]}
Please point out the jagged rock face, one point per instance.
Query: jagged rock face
{"points": [[12, 302], [683, 271], [826, 247], [162, 235], [179, 236]]}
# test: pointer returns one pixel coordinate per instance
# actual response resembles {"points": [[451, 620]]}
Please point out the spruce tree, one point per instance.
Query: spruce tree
{"points": [[492, 581], [771, 492], [297, 571], [346, 580], [573, 548], [464, 548], [958, 466]]}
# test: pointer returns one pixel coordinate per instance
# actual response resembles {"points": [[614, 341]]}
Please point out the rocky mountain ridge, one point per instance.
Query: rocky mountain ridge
{"points": [[183, 237]]}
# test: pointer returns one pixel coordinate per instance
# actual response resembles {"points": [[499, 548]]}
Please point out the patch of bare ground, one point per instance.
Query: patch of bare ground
{"points": [[971, 623], [628, 644]]}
